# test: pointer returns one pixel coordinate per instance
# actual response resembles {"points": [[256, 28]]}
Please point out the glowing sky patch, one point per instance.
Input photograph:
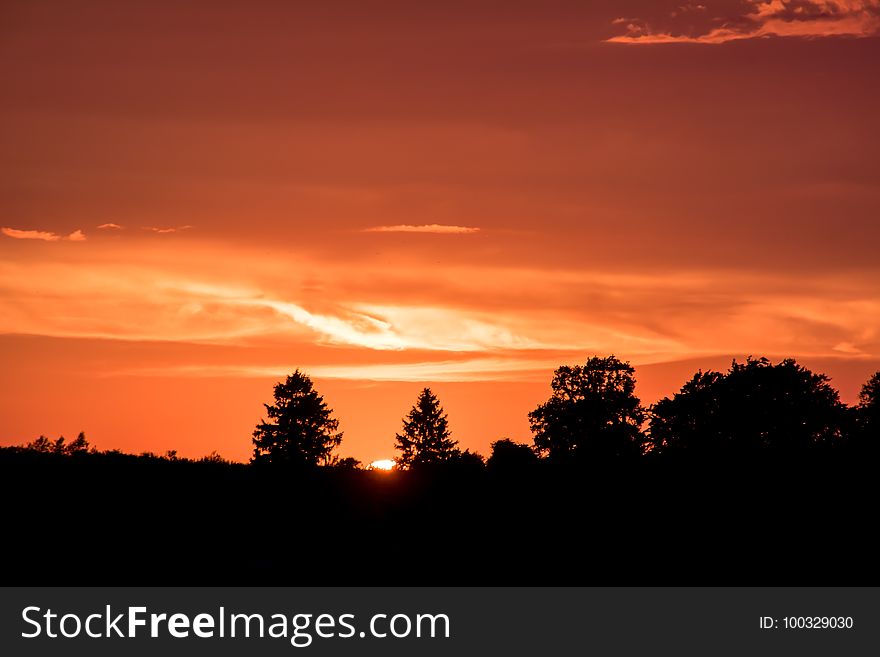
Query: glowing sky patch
{"points": [[436, 229]]}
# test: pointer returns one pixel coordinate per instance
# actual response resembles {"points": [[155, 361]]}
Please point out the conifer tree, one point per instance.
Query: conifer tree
{"points": [[425, 437], [301, 430]]}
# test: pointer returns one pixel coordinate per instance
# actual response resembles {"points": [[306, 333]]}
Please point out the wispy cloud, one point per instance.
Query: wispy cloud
{"points": [[380, 328], [110, 226], [767, 18], [167, 229], [42, 235], [437, 229], [393, 312], [472, 369], [849, 348]]}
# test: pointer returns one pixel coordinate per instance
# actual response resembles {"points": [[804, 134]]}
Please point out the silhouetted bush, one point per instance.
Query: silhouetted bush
{"points": [[511, 457], [42, 444], [466, 462]]}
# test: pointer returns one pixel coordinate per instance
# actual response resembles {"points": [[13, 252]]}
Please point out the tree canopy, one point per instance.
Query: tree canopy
{"points": [[756, 407], [510, 456], [868, 415], [300, 430], [425, 437], [869, 401], [592, 413], [78, 446]]}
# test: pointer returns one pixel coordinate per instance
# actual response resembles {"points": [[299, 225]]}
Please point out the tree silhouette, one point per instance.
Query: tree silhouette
{"points": [[868, 415], [345, 463], [300, 431], [42, 444], [869, 400], [592, 414], [755, 408], [467, 461], [425, 437], [510, 456]]}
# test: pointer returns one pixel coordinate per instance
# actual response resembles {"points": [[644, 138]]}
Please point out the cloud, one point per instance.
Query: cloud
{"points": [[471, 369], [30, 234], [848, 348], [169, 229], [110, 226], [42, 235], [769, 18], [437, 229], [425, 321]]}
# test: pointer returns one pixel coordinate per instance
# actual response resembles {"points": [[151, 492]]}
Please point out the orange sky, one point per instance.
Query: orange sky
{"points": [[196, 198]]}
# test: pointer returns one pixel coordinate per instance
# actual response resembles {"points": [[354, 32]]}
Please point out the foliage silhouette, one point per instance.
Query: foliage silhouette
{"points": [[168, 519], [868, 417], [301, 431], [345, 463], [869, 403], [464, 462], [511, 457], [213, 457], [756, 408], [592, 414], [78, 446], [425, 437]]}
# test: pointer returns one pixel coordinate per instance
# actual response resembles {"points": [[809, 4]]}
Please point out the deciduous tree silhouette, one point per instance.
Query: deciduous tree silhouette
{"points": [[755, 408], [300, 431], [425, 438], [592, 414], [869, 401], [868, 416], [510, 456], [467, 461]]}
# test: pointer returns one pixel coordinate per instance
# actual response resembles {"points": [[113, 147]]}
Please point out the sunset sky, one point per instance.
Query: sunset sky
{"points": [[197, 198]]}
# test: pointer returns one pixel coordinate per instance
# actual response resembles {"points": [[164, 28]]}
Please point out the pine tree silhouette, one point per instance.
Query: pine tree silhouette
{"points": [[301, 430], [425, 437]]}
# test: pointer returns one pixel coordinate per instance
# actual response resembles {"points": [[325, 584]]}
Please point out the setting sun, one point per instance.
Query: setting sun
{"points": [[382, 464]]}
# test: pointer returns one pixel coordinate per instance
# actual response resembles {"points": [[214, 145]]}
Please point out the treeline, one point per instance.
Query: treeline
{"points": [[80, 447], [756, 475], [756, 410]]}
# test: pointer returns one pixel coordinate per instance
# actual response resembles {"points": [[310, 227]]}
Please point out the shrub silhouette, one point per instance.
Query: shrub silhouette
{"points": [[346, 463], [42, 444], [425, 438], [466, 461], [755, 408], [510, 456], [301, 431], [592, 414]]}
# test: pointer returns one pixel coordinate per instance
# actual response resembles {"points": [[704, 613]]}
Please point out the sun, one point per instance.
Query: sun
{"points": [[382, 464]]}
